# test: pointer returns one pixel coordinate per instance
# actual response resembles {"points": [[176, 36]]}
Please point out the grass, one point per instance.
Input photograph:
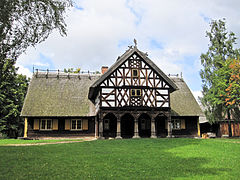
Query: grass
{"points": [[124, 159], [20, 141]]}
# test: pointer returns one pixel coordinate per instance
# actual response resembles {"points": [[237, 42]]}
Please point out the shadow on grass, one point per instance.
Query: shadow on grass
{"points": [[108, 159]]}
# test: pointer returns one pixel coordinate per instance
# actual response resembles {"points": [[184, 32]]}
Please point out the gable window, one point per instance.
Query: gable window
{"points": [[106, 124], [76, 124], [135, 72], [176, 124], [136, 92], [46, 124]]}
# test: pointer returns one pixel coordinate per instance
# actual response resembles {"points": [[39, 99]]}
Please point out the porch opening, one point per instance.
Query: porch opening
{"points": [[109, 125], [144, 125], [161, 125], [127, 126]]}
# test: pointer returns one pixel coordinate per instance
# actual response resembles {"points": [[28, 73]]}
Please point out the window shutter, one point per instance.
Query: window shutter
{"points": [[55, 124], [85, 124], [67, 124], [166, 124], [36, 124], [183, 124]]}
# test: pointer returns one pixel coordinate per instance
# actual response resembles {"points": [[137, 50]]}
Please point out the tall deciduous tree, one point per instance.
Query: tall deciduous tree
{"points": [[232, 95], [216, 72], [23, 23], [232, 92], [13, 88]]}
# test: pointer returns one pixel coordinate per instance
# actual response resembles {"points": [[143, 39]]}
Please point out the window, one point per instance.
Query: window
{"points": [[76, 124], [138, 92], [106, 124], [46, 124], [134, 72], [135, 92], [176, 124]]}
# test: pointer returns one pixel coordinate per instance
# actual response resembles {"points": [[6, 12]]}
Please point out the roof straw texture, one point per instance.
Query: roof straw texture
{"points": [[182, 101], [63, 95]]}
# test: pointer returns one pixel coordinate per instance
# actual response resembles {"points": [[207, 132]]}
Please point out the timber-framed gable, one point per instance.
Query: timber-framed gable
{"points": [[134, 83]]}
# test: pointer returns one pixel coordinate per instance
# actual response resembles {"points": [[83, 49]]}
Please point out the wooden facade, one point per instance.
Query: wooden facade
{"points": [[60, 127], [229, 129], [134, 84]]}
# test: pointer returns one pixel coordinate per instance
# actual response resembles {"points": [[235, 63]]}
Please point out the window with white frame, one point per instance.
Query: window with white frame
{"points": [[46, 124], [176, 124], [76, 124]]}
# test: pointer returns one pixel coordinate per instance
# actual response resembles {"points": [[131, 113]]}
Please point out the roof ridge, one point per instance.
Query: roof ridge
{"points": [[64, 75]]}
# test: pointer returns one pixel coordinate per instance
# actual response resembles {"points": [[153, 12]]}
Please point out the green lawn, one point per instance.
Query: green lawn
{"points": [[124, 159]]}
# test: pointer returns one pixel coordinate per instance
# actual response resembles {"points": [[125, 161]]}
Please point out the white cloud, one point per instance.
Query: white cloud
{"points": [[41, 64], [96, 30], [197, 94], [24, 71]]}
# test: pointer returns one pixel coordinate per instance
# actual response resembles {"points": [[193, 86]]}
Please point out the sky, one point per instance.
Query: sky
{"points": [[172, 32]]}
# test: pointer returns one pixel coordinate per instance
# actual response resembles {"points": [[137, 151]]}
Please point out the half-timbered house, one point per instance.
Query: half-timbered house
{"points": [[133, 98]]}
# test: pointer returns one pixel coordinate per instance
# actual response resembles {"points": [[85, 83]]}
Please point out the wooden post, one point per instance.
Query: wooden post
{"points": [[136, 135], [96, 127], [118, 129], [198, 126], [100, 129], [153, 128], [100, 124], [169, 126], [25, 127]]}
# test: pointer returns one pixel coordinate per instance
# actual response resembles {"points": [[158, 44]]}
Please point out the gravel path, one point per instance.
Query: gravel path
{"points": [[60, 142]]}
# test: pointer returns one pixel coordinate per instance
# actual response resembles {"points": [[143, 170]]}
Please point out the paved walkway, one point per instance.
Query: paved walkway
{"points": [[232, 141], [60, 142]]}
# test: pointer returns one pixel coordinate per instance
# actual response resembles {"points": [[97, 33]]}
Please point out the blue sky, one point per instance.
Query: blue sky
{"points": [[172, 32]]}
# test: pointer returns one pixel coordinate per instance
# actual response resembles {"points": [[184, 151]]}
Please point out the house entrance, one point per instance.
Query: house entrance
{"points": [[161, 126], [109, 125], [127, 126], [144, 125]]}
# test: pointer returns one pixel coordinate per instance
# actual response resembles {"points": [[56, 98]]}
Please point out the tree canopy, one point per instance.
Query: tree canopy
{"points": [[13, 88], [71, 70], [219, 73], [233, 90], [23, 23]]}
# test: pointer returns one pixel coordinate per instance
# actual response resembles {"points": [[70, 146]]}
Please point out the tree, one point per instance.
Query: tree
{"points": [[232, 92], [23, 23], [232, 95], [216, 72], [71, 70], [13, 88]]}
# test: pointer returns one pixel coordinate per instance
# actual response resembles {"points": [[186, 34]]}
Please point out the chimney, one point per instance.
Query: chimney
{"points": [[104, 69]]}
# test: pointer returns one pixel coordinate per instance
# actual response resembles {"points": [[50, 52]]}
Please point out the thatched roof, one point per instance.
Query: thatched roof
{"points": [[59, 96], [182, 101], [94, 88], [67, 96]]}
